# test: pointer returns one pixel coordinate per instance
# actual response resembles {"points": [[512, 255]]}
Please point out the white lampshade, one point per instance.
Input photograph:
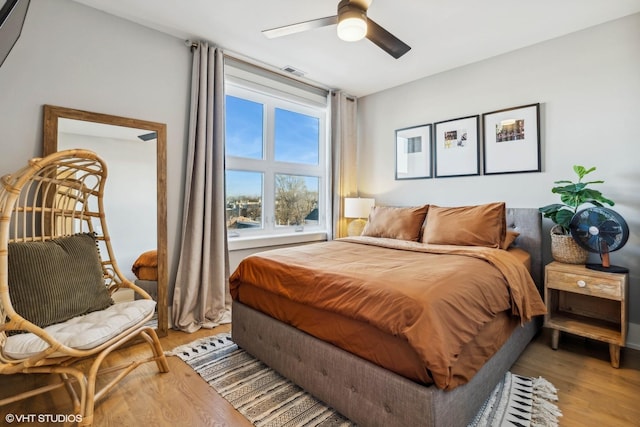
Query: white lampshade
{"points": [[358, 207], [352, 26]]}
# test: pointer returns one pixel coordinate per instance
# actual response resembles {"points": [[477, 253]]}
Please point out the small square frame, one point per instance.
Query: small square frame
{"points": [[413, 152], [457, 147], [512, 140]]}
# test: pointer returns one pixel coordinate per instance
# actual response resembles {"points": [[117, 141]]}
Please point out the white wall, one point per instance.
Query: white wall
{"points": [[129, 196], [588, 84], [74, 56]]}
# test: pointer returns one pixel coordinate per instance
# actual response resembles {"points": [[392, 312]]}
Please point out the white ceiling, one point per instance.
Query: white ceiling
{"points": [[443, 34]]}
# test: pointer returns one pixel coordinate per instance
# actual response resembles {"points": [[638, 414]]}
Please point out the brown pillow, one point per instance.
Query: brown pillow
{"points": [[146, 266], [395, 223], [481, 225], [509, 238]]}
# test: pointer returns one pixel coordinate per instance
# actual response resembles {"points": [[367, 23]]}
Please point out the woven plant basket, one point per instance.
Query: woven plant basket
{"points": [[565, 249]]}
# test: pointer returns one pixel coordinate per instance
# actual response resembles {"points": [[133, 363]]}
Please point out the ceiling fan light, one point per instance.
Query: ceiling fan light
{"points": [[352, 26]]}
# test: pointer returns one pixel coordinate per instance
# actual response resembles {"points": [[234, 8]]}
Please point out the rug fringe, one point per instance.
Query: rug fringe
{"points": [[520, 401], [545, 413], [544, 388]]}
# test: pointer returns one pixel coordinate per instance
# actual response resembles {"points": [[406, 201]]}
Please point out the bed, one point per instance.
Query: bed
{"points": [[145, 268], [376, 392]]}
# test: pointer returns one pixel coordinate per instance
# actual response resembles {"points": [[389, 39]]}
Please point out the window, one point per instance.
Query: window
{"points": [[276, 167], [414, 144]]}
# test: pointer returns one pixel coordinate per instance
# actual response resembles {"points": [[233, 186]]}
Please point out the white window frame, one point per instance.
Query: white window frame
{"points": [[271, 99]]}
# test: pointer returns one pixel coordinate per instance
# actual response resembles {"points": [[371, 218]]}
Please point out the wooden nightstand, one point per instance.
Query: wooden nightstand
{"points": [[586, 302]]}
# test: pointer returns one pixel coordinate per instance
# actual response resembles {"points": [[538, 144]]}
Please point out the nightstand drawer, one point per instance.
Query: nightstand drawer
{"points": [[603, 287]]}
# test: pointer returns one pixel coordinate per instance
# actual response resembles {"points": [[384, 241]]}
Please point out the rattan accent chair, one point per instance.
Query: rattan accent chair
{"points": [[55, 259]]}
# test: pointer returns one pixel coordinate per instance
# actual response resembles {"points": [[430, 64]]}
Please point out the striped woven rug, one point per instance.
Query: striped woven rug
{"points": [[267, 399]]}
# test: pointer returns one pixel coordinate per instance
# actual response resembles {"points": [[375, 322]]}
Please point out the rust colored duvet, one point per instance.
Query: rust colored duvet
{"points": [[432, 313]]}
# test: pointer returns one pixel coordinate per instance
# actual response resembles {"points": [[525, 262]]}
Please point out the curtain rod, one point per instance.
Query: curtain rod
{"points": [[192, 45]]}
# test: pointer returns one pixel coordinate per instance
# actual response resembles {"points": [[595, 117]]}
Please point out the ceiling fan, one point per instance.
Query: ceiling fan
{"points": [[353, 25]]}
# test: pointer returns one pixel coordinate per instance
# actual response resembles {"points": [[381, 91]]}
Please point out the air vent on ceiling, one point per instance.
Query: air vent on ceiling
{"points": [[292, 70]]}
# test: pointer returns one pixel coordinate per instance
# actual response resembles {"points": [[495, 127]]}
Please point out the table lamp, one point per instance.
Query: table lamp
{"points": [[357, 208]]}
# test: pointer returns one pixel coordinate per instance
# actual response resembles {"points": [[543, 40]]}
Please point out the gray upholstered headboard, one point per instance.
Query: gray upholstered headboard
{"points": [[528, 222]]}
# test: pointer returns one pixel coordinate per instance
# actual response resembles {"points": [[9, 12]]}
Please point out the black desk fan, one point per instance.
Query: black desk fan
{"points": [[600, 230]]}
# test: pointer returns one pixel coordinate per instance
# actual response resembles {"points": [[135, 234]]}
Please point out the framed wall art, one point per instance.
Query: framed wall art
{"points": [[457, 147], [413, 152], [512, 140]]}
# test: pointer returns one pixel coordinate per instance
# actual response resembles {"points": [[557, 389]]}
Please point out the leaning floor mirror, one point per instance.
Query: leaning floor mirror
{"points": [[135, 194]]}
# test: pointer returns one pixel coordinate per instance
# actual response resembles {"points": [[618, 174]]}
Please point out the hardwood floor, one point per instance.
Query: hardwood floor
{"points": [[591, 392]]}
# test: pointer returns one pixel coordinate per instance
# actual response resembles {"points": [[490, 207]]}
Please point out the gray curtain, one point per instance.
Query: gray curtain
{"points": [[201, 298], [344, 161]]}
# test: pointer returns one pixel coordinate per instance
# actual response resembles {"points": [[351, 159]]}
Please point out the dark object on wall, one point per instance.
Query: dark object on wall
{"points": [[600, 230], [12, 14]]}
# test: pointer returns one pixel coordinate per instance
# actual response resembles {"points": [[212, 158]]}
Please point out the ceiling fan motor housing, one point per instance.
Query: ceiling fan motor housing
{"points": [[352, 21]]}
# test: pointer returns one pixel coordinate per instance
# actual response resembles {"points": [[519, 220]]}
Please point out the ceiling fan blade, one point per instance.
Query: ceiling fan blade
{"points": [[385, 40], [300, 27]]}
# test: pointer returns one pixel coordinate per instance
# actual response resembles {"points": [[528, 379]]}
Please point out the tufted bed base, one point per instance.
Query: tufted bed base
{"points": [[363, 392], [373, 396]]}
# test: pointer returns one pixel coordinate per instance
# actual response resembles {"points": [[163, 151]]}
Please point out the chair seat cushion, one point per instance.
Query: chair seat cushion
{"points": [[83, 332]]}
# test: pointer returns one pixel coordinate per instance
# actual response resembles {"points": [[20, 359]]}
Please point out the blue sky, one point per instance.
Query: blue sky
{"points": [[296, 137], [243, 128]]}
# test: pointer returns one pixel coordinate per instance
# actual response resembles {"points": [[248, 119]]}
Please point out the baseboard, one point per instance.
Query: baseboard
{"points": [[633, 336]]}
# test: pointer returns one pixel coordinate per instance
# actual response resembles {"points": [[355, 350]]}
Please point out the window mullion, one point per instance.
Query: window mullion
{"points": [[269, 150], [296, 161]]}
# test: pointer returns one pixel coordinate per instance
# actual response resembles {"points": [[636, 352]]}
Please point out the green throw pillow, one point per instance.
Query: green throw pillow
{"points": [[53, 281]]}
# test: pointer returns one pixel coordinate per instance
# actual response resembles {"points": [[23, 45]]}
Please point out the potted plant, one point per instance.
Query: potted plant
{"points": [[572, 195]]}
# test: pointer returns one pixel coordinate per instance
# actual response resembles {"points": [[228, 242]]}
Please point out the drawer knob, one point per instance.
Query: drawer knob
{"points": [[581, 283]]}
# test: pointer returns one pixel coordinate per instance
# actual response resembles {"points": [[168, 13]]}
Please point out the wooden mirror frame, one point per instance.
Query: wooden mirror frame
{"points": [[50, 145]]}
